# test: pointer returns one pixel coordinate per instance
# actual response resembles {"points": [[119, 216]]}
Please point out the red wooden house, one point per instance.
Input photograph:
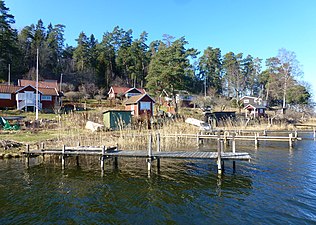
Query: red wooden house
{"points": [[140, 105], [24, 97], [121, 92]]}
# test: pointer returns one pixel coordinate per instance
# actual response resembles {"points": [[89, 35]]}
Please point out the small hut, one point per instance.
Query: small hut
{"points": [[117, 119], [140, 105]]}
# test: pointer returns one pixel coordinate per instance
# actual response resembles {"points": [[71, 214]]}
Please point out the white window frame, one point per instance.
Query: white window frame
{"points": [[5, 96], [145, 106]]}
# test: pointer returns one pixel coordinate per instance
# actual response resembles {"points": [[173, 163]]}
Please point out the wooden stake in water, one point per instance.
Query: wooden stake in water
{"points": [[290, 140], [219, 159], [28, 155], [158, 142], [102, 157], [150, 148], [63, 157]]}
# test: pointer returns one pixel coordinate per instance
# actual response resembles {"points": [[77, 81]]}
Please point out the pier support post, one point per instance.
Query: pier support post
{"points": [[158, 142], [234, 150], [219, 152], [290, 140], [63, 157], [197, 139], [158, 150], [150, 148], [42, 149], [264, 132], [314, 135], [102, 157], [233, 143], [256, 140], [27, 155]]}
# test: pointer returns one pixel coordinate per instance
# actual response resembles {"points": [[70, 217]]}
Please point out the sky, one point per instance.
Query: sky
{"points": [[256, 27]]}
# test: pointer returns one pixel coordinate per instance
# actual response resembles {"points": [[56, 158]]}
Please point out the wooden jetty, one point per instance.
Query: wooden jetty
{"points": [[150, 155], [233, 137]]}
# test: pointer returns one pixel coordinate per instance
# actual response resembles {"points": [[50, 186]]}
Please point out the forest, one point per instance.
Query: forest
{"points": [[92, 66]]}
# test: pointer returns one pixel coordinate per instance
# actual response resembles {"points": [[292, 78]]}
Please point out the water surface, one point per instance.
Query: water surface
{"points": [[277, 187]]}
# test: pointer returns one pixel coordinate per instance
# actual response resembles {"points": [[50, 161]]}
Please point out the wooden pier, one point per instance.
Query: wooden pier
{"points": [[233, 137], [150, 155]]}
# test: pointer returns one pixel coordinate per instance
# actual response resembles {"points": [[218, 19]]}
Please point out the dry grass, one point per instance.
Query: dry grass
{"points": [[70, 130]]}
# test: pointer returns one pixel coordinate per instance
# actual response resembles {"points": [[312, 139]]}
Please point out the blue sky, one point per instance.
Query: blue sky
{"points": [[256, 27]]}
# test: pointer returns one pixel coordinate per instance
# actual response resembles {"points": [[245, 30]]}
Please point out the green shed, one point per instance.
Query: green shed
{"points": [[117, 119]]}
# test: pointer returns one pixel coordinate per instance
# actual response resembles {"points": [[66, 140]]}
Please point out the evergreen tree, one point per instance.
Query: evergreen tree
{"points": [[8, 41], [170, 68], [210, 67]]}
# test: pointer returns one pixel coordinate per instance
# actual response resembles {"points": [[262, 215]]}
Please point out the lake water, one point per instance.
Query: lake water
{"points": [[277, 187]]}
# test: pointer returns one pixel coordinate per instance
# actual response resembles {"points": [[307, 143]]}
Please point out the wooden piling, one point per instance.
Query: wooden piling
{"points": [[102, 157], [158, 150], [314, 135], [233, 143], [219, 159], [197, 139], [150, 146], [256, 140], [158, 142], [264, 132], [63, 157], [234, 150], [28, 155], [42, 149], [290, 140]]}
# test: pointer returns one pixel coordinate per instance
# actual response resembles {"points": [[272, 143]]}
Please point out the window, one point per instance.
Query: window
{"points": [[246, 101], [46, 98], [144, 105], [5, 96]]}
